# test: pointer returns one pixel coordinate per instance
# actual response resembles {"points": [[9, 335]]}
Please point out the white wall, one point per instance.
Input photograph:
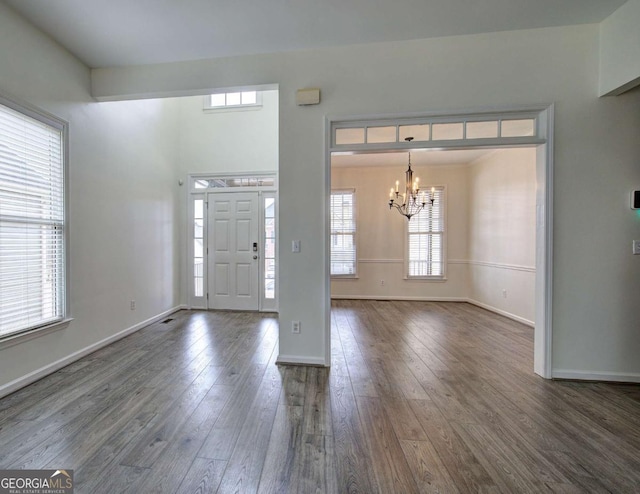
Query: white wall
{"points": [[237, 140], [381, 234], [502, 232], [620, 49], [123, 208], [596, 279]]}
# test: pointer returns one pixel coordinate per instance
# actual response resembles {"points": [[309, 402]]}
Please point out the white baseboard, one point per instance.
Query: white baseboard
{"points": [[595, 376], [502, 312], [37, 374], [298, 360], [437, 299], [409, 299]]}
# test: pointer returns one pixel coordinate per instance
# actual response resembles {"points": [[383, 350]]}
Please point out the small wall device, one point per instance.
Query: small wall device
{"points": [[308, 96], [635, 199]]}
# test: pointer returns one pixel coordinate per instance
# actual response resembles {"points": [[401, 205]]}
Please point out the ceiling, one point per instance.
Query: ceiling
{"points": [[131, 32], [419, 157]]}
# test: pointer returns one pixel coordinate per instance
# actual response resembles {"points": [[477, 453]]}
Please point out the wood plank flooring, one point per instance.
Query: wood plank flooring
{"points": [[421, 397]]}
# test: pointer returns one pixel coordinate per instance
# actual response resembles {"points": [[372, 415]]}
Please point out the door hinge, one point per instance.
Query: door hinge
{"points": [[207, 296]]}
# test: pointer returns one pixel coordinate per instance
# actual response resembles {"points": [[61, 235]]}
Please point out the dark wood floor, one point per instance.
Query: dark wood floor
{"points": [[421, 397]]}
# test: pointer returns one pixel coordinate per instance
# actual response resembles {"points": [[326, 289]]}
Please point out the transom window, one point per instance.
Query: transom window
{"points": [[437, 130], [233, 182], [32, 220], [425, 240], [236, 99], [343, 233]]}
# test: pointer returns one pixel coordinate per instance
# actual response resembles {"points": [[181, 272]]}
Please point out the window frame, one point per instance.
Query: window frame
{"points": [[352, 191], [63, 320], [443, 233], [268, 304], [253, 184], [353, 134], [209, 108]]}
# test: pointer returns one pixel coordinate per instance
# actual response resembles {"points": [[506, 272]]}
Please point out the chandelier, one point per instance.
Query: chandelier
{"points": [[412, 201]]}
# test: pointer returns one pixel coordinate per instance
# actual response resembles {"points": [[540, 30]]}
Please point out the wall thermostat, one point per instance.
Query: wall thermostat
{"points": [[635, 199]]}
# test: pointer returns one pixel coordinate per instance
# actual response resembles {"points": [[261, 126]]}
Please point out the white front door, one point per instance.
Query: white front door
{"points": [[234, 251]]}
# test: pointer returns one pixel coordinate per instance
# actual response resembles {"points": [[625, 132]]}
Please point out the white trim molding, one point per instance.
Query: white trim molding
{"points": [[516, 267], [502, 312], [490, 308], [37, 374], [300, 360], [499, 265], [18, 339], [401, 297], [595, 376]]}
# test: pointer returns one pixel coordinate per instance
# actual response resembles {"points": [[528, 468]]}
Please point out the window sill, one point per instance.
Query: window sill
{"points": [[17, 339], [436, 279], [224, 109], [344, 277]]}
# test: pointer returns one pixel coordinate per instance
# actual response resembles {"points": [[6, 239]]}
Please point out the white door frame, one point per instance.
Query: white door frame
{"points": [[543, 140], [264, 191]]}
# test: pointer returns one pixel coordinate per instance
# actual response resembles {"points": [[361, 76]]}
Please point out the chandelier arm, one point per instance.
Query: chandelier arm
{"points": [[407, 210], [410, 206]]}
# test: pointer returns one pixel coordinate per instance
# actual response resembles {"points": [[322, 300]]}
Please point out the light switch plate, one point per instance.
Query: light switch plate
{"points": [[636, 247], [295, 246]]}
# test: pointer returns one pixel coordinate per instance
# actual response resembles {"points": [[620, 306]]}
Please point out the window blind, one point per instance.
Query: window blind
{"points": [[31, 222], [343, 230], [425, 242]]}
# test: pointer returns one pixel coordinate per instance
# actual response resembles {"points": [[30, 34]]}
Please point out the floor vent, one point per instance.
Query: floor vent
{"points": [[166, 321]]}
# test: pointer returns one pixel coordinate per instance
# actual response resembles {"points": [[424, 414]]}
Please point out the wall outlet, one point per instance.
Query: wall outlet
{"points": [[636, 247], [504, 294], [295, 327], [381, 282], [133, 305]]}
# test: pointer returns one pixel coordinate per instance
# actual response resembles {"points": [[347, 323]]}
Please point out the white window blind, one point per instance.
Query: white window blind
{"points": [[426, 239], [343, 232], [32, 273]]}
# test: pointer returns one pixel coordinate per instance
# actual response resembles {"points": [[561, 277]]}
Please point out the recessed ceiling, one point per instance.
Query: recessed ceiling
{"points": [[132, 32]]}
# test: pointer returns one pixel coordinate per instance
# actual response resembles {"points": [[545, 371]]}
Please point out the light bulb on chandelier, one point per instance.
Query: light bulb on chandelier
{"points": [[413, 200]]}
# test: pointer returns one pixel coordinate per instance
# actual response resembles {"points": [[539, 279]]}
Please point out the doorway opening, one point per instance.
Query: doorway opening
{"points": [[522, 134], [232, 242]]}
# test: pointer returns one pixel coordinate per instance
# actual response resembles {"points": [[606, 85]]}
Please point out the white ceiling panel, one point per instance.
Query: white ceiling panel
{"points": [[105, 33], [419, 157]]}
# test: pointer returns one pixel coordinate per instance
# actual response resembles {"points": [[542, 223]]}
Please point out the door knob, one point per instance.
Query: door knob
{"points": [[255, 257]]}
